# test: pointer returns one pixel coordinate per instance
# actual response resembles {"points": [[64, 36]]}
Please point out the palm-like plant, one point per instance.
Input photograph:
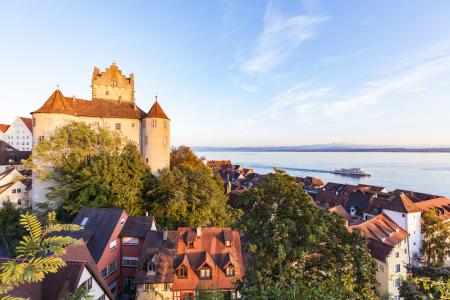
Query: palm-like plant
{"points": [[31, 264]]}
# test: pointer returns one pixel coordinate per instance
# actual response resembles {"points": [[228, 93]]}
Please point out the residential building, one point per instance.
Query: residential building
{"points": [[18, 134], [80, 272], [113, 107], [415, 196], [15, 187], [217, 165], [389, 247], [10, 156], [357, 203]]}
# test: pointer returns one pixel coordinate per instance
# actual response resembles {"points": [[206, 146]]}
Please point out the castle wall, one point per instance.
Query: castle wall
{"points": [[157, 148]]}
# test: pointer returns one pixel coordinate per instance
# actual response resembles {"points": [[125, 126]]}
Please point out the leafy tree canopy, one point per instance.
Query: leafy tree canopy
{"points": [[435, 244], [187, 197], [183, 155], [10, 226], [91, 167], [292, 242]]}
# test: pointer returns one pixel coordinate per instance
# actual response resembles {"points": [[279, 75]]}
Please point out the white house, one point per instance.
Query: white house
{"points": [[18, 134], [15, 188]]}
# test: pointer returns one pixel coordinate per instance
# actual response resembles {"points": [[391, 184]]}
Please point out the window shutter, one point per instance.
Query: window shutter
{"points": [[90, 283]]}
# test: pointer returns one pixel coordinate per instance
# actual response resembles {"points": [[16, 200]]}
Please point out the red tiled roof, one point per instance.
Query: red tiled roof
{"points": [[332, 198], [340, 210], [377, 203], [28, 122], [442, 205], [209, 248], [4, 127], [229, 259], [415, 196], [184, 262], [58, 104], [403, 204], [156, 112]]}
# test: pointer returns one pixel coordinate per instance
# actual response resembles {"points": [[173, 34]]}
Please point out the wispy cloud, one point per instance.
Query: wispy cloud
{"points": [[280, 37], [368, 21], [246, 86], [334, 59]]}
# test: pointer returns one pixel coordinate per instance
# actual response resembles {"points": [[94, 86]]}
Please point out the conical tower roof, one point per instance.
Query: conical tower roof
{"points": [[156, 112], [402, 204], [56, 104]]}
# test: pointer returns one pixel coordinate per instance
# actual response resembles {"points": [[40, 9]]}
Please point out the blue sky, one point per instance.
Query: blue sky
{"points": [[244, 73]]}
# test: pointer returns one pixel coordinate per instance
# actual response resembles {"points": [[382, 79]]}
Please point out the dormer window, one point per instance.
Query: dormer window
{"points": [[205, 272], [229, 271], [183, 273], [84, 221], [228, 243], [190, 244], [375, 209], [151, 269]]}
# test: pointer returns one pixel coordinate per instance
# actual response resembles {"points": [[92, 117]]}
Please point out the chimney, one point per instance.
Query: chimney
{"points": [[199, 231], [146, 213], [165, 234], [134, 105], [73, 97], [208, 224]]}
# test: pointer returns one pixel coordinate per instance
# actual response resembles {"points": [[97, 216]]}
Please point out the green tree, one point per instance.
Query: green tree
{"points": [[211, 292], [218, 181], [80, 293], [435, 244], [32, 264], [10, 227], [91, 167], [292, 242], [186, 197], [183, 155]]}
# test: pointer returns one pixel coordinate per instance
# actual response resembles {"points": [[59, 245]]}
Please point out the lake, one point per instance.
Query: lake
{"points": [[420, 172]]}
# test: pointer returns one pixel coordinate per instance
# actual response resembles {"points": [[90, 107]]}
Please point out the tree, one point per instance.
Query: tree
{"points": [[204, 292], [10, 227], [32, 264], [435, 244], [90, 167], [80, 293], [183, 155], [186, 197], [292, 242]]}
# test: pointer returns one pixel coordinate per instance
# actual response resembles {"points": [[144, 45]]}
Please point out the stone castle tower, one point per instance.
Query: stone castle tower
{"points": [[156, 138], [112, 85]]}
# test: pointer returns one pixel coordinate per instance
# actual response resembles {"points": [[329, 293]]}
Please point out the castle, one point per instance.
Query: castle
{"points": [[112, 106]]}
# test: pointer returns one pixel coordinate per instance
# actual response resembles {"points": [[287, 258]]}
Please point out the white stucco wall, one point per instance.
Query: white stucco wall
{"points": [[13, 197], [96, 290], [156, 152], [18, 135]]}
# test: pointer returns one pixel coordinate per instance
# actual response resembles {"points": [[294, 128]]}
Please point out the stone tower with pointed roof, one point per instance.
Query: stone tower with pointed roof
{"points": [[408, 216], [156, 138]]}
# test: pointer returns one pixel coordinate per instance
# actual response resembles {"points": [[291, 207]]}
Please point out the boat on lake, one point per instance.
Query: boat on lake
{"points": [[351, 172]]}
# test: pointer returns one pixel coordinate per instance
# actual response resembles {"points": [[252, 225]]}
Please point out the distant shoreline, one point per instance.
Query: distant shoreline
{"points": [[430, 150]]}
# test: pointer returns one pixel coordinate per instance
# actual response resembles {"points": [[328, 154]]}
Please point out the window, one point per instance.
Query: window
{"points": [[28, 142], [130, 262], [105, 272], [397, 268], [400, 244], [230, 271], [122, 221], [145, 140], [19, 190], [165, 140], [118, 126], [130, 241], [102, 297], [382, 268], [147, 286], [151, 268], [107, 93], [182, 272], [27, 138], [128, 282], [153, 123], [165, 123], [190, 244], [112, 267], [13, 191], [112, 245], [205, 273], [146, 160], [134, 124], [87, 284], [143, 123], [397, 297], [96, 125], [406, 251], [41, 138], [397, 282], [107, 125], [11, 160], [165, 286], [397, 254], [34, 122], [84, 221], [228, 243], [403, 215]]}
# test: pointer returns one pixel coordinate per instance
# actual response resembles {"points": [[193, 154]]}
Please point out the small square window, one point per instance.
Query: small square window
{"points": [[112, 245], [397, 254], [107, 93], [122, 221], [105, 272], [228, 243], [205, 273], [84, 221], [107, 125], [165, 123], [229, 271], [118, 126], [96, 125], [190, 244], [183, 272]]}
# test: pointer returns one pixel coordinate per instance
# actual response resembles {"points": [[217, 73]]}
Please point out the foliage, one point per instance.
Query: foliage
{"points": [[426, 282], [80, 293], [186, 197], [297, 248], [204, 292], [10, 227], [91, 167], [218, 181], [435, 244], [183, 155], [31, 265]]}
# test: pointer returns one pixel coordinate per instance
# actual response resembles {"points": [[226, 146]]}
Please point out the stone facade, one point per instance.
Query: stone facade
{"points": [[112, 85]]}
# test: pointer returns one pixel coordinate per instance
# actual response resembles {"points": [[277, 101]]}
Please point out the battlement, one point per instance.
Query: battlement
{"points": [[112, 85]]}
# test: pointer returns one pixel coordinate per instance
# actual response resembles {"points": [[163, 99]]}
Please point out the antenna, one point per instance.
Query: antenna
{"points": [[57, 86], [156, 97]]}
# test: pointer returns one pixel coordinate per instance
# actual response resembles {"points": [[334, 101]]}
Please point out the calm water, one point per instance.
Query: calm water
{"points": [[420, 172]]}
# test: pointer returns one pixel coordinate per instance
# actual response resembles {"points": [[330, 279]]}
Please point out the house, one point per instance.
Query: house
{"points": [[365, 187], [340, 210], [115, 241], [374, 207], [329, 198], [18, 134], [357, 203], [175, 262], [10, 156], [80, 272], [112, 107], [389, 247], [415, 196], [217, 165], [15, 187]]}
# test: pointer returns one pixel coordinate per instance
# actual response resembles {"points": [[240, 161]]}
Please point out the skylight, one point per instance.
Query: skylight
{"points": [[84, 221]]}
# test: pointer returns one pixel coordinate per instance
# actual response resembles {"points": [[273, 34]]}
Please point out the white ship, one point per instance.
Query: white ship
{"points": [[352, 172]]}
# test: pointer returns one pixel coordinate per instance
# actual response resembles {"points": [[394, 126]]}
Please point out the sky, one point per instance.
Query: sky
{"points": [[244, 73]]}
